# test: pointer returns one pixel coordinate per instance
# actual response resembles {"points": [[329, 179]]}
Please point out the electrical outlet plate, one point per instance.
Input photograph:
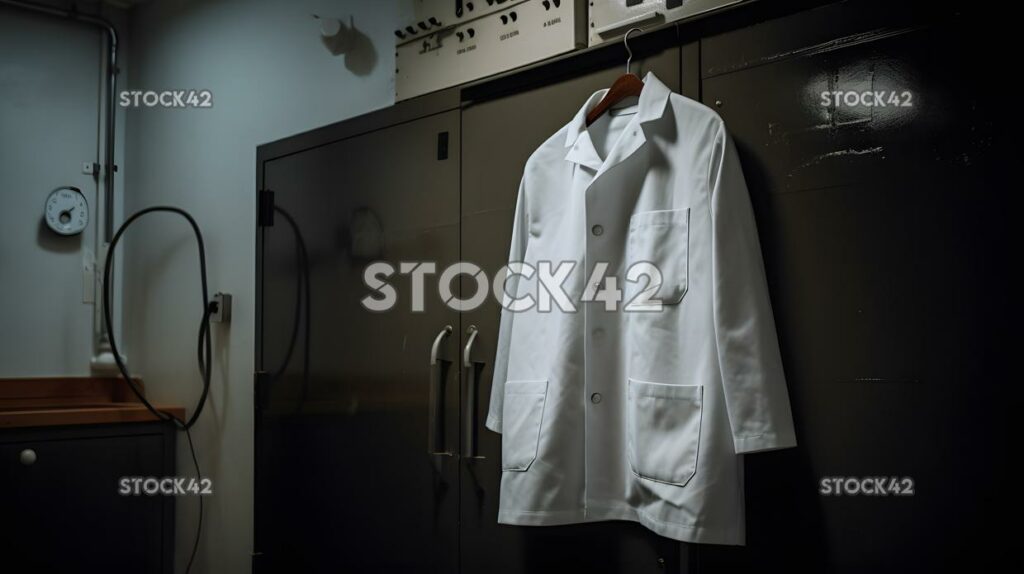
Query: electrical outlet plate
{"points": [[223, 312]]}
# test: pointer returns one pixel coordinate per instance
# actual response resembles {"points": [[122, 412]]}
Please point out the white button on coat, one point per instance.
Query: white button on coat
{"points": [[647, 422]]}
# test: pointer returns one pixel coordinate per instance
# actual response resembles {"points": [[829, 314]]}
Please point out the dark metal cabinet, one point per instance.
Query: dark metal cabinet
{"points": [[344, 476], [885, 234], [62, 510], [884, 230]]}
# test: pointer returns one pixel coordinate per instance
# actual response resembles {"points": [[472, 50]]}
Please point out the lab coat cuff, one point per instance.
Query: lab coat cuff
{"points": [[764, 442], [493, 423]]}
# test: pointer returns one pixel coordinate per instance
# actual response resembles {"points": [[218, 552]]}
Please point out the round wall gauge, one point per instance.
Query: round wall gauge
{"points": [[67, 211]]}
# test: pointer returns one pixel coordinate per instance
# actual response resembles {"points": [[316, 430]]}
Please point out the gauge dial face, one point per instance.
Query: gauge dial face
{"points": [[67, 211]]}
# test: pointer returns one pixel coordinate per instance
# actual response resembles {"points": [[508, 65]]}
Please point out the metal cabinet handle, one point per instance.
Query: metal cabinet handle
{"points": [[472, 332], [438, 376], [436, 347], [472, 370]]}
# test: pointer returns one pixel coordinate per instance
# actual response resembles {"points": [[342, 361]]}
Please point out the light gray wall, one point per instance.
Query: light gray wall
{"points": [[51, 83], [270, 77]]}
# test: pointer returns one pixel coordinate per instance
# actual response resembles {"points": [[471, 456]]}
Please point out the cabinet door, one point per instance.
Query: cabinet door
{"points": [[344, 478], [885, 227], [62, 506], [498, 136]]}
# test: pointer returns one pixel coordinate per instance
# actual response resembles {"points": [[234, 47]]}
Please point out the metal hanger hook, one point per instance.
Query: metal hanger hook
{"points": [[625, 40]]}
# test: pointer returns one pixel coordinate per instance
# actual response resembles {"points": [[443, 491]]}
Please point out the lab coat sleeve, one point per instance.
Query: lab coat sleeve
{"points": [[748, 351], [517, 250]]}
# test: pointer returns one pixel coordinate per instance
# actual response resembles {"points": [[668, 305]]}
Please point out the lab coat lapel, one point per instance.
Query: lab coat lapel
{"points": [[583, 152], [577, 139], [632, 140], [650, 107]]}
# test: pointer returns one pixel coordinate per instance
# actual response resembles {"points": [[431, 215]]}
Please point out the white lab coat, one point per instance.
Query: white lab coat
{"points": [[639, 416]]}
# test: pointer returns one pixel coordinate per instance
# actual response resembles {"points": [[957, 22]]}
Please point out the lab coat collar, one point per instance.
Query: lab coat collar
{"points": [[650, 106]]}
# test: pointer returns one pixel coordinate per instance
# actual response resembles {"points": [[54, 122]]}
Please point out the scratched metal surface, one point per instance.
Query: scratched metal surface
{"points": [[886, 237]]}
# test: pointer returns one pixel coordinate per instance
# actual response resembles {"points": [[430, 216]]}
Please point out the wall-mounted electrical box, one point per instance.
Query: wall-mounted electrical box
{"points": [[451, 42], [610, 19]]}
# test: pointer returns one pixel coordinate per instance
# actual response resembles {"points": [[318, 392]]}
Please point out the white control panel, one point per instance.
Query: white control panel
{"points": [[429, 16], [610, 19], [488, 38]]}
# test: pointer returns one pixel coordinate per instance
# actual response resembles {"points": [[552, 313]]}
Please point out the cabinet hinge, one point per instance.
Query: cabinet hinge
{"points": [[265, 210], [442, 145], [259, 381]]}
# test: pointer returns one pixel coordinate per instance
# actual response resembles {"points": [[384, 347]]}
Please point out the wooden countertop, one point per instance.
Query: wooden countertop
{"points": [[58, 401]]}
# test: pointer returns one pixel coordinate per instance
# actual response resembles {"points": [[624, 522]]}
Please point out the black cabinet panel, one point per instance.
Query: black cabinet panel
{"points": [[64, 512], [344, 477], [885, 230]]}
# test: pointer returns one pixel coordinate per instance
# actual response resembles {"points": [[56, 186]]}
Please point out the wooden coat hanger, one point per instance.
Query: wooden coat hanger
{"points": [[628, 84]]}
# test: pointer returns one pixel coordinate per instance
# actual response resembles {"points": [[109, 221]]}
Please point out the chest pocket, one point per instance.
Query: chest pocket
{"points": [[657, 251]]}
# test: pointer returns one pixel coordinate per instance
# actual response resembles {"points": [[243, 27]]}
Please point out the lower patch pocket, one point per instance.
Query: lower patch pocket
{"points": [[522, 416], [664, 430]]}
